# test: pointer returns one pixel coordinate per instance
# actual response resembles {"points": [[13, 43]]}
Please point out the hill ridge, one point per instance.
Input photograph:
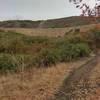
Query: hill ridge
{"points": [[51, 23]]}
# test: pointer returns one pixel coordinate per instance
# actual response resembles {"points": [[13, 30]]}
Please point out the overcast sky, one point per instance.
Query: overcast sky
{"points": [[36, 9]]}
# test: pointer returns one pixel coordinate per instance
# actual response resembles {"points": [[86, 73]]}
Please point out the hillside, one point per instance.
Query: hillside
{"points": [[53, 23], [43, 65]]}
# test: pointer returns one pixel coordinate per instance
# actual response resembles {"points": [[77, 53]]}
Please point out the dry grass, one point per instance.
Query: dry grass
{"points": [[36, 84], [40, 32], [51, 32], [39, 84]]}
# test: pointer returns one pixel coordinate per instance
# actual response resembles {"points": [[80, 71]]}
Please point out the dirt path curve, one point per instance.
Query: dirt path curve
{"points": [[71, 85]]}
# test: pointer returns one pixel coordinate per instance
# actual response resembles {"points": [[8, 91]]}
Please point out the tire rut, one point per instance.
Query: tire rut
{"points": [[69, 87]]}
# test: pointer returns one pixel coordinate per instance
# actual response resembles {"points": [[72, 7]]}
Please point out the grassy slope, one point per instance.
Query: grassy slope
{"points": [[53, 23], [37, 83]]}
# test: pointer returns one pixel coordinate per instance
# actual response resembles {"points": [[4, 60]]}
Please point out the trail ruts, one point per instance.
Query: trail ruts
{"points": [[71, 88]]}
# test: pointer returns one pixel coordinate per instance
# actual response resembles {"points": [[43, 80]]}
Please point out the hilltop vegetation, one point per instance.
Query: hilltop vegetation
{"points": [[20, 24], [53, 23]]}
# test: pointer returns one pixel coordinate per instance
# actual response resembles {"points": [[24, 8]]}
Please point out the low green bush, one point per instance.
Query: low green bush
{"points": [[62, 54], [74, 51], [14, 63], [47, 57], [7, 63]]}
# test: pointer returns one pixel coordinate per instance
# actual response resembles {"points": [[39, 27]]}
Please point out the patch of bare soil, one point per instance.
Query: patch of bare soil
{"points": [[36, 84]]}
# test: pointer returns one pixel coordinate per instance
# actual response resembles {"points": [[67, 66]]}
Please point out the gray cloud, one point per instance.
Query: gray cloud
{"points": [[36, 9]]}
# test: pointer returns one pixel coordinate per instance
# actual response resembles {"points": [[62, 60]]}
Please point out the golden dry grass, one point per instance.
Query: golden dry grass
{"points": [[36, 84], [51, 32]]}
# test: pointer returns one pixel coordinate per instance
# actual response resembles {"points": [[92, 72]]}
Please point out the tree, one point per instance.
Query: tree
{"points": [[85, 8]]}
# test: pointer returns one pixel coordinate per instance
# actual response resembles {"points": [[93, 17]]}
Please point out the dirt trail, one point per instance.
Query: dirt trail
{"points": [[70, 90], [37, 84]]}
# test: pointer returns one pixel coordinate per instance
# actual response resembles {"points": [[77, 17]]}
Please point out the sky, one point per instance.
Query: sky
{"points": [[36, 9]]}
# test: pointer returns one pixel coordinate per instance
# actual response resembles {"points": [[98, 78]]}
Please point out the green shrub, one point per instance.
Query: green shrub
{"points": [[74, 51], [65, 53], [7, 63], [14, 63], [47, 57]]}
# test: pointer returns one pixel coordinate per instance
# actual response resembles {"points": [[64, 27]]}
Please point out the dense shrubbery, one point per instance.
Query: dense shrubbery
{"points": [[62, 54], [17, 50]]}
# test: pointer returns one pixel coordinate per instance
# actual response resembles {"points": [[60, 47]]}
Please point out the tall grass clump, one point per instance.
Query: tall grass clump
{"points": [[7, 63], [15, 63]]}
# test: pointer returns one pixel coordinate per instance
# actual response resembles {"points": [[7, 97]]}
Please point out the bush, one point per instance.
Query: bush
{"points": [[7, 63], [47, 57], [14, 63], [74, 51], [65, 53]]}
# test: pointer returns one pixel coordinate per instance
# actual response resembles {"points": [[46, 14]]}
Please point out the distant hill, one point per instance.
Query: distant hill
{"points": [[19, 24], [53, 23]]}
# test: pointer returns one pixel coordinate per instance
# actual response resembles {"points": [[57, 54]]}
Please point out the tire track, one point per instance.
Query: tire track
{"points": [[69, 90]]}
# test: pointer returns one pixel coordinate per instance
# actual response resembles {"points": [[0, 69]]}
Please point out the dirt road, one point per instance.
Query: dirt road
{"points": [[76, 86]]}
